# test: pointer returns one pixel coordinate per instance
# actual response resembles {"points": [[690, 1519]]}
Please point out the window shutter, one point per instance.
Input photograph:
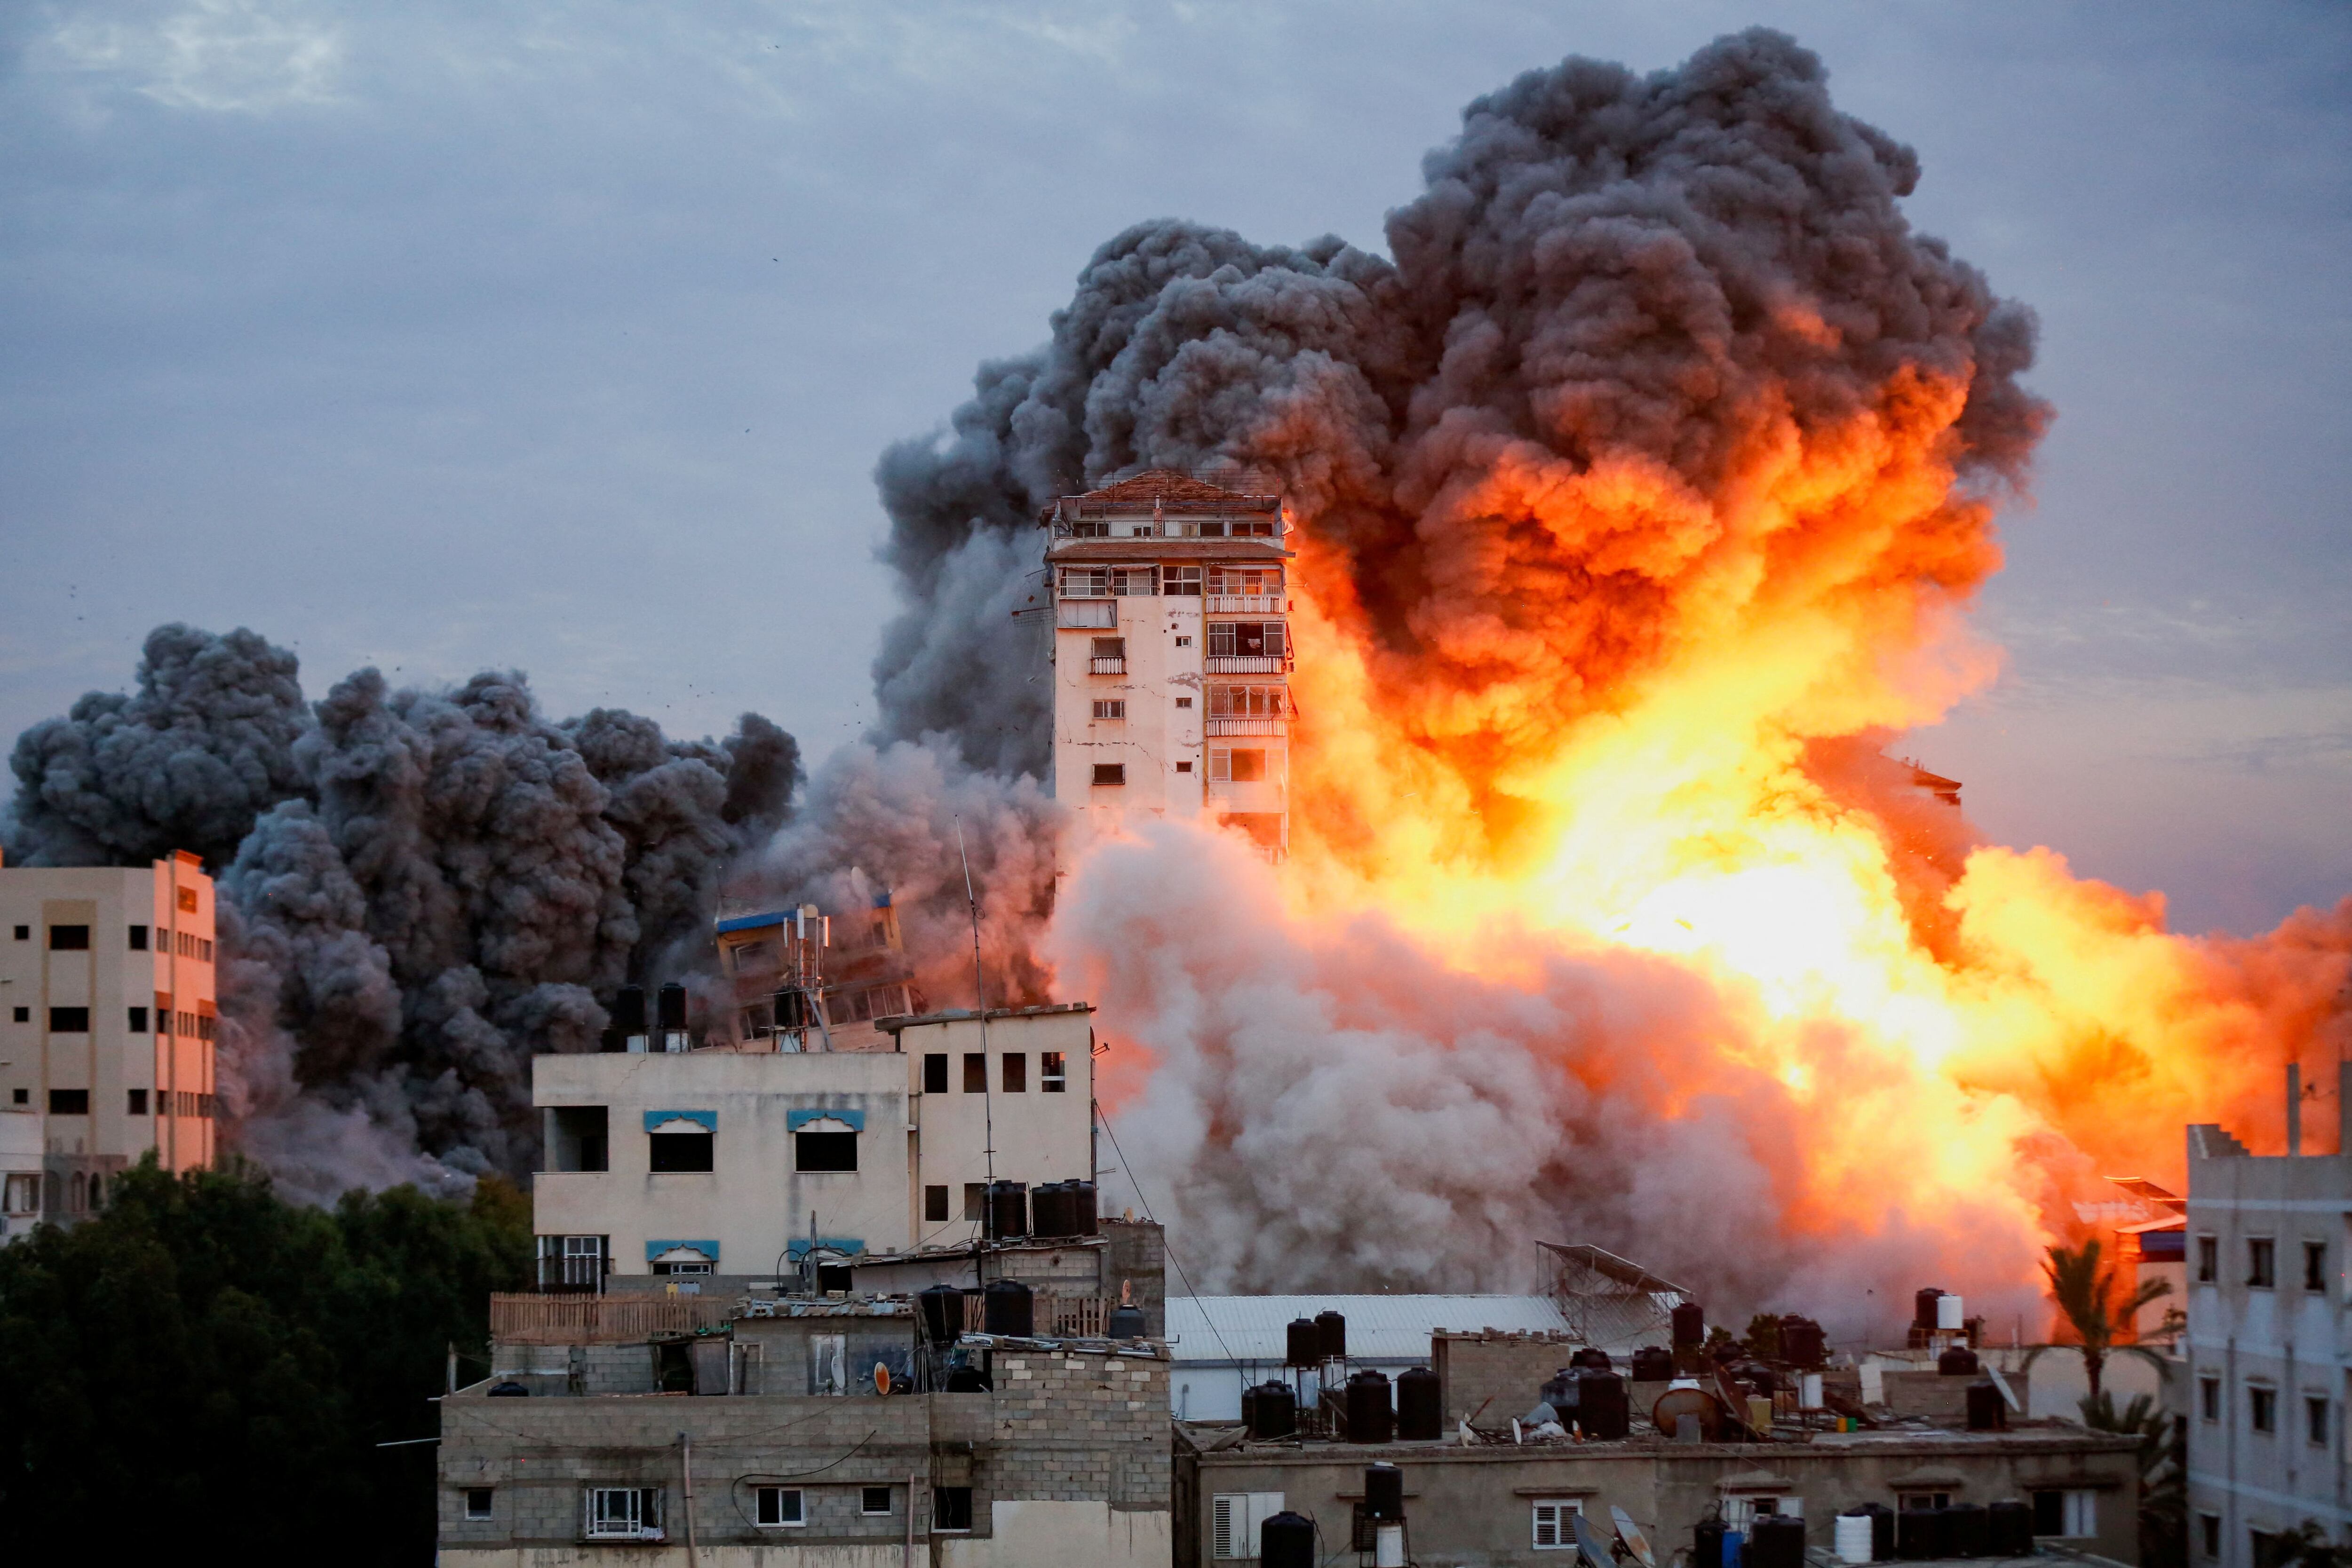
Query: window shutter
{"points": [[1221, 1527], [1546, 1524]]}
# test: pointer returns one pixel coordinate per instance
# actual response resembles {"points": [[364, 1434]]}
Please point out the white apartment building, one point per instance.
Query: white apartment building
{"points": [[1171, 652], [2267, 1343], [107, 1021], [740, 1159]]}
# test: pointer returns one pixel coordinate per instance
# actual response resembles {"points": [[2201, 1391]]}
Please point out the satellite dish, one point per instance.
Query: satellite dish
{"points": [[1631, 1534], [1588, 1544], [881, 1378]]}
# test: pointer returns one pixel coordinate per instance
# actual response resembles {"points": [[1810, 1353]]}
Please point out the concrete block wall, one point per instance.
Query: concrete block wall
{"points": [[1504, 1371], [1081, 1428]]}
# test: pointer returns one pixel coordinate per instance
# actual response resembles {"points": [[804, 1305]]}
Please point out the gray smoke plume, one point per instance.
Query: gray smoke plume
{"points": [[1604, 268], [427, 888]]}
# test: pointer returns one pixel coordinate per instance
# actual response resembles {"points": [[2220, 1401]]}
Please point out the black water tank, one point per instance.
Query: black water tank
{"points": [[1420, 1412], [1331, 1334], [1959, 1360], [1560, 1392], [1370, 1419], [1006, 1308], [1049, 1211], [942, 1309], [1690, 1326], [1988, 1411], [1652, 1363], [1083, 1221], [1286, 1541], [1921, 1535], [1008, 1211], [2009, 1528], [629, 1011], [1776, 1540], [966, 1380], [1384, 1493], [1706, 1543], [1601, 1408], [509, 1390], [670, 1004], [1126, 1322], [1302, 1343], [1965, 1527], [1803, 1343], [1591, 1356], [1923, 1308], [1881, 1528], [1271, 1410]]}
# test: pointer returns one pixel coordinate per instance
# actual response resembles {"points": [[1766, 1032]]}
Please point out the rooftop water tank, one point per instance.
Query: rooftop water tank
{"points": [[1965, 1527], [1286, 1541], [1988, 1411], [1370, 1418], [1652, 1363], [1593, 1356], [1923, 1306], [943, 1312], [1803, 1343], [1881, 1528], [1420, 1412], [2009, 1528], [1271, 1411], [1302, 1343], [671, 1002], [1049, 1211], [1602, 1405], [1006, 1308], [1126, 1322], [1958, 1360], [1083, 1221], [1706, 1543], [1331, 1334], [1948, 1314], [1384, 1493], [1008, 1211], [1690, 1326], [1776, 1540]]}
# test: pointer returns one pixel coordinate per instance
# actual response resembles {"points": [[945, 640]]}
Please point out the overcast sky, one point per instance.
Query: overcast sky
{"points": [[447, 334]]}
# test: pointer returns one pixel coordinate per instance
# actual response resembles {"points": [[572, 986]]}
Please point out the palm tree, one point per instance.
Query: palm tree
{"points": [[2091, 1296], [2163, 1474]]}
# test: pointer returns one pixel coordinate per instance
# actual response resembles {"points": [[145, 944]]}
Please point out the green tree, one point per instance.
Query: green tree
{"points": [[203, 1355], [2090, 1294]]}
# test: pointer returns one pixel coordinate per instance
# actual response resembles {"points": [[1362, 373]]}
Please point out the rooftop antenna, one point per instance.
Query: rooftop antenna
{"points": [[980, 994]]}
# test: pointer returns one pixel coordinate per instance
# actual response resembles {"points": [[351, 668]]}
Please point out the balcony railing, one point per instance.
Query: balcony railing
{"points": [[1111, 666], [1244, 604], [1264, 725], [1247, 664]]}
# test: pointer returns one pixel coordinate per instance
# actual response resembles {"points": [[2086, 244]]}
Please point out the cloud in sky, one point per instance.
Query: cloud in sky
{"points": [[449, 335]]}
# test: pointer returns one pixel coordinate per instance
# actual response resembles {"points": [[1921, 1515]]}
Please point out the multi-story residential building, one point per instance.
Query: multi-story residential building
{"points": [[107, 983], [2267, 1346], [1171, 652], [23, 1145], [739, 1159]]}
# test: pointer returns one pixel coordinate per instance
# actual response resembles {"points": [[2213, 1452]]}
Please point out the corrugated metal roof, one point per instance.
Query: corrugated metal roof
{"points": [[1380, 1328]]}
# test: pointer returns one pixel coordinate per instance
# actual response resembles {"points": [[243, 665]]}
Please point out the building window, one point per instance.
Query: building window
{"points": [[477, 1502], [625, 1513], [2074, 1513], [873, 1499], [1181, 581], [21, 1014], [138, 1106], [950, 1508], [1245, 582], [138, 1021], [2314, 1265], [1053, 1077], [21, 1096], [778, 1508], [1245, 639], [139, 938], [2209, 1259], [1184, 702], [1554, 1528], [1111, 707], [22, 1195], [1016, 1072], [24, 933], [935, 1072], [1184, 767], [2209, 1534], [68, 939], [2261, 1407], [1912, 1501], [1236, 765], [975, 1200], [68, 1102], [823, 1152], [573, 1262], [1110, 656], [2208, 1398], [2315, 1420], [1110, 772], [975, 1072], [69, 1020], [187, 901], [935, 1205], [1235, 1519], [680, 1151], [1184, 642], [1246, 701], [2262, 1262]]}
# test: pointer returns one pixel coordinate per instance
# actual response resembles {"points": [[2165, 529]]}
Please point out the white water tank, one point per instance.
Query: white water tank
{"points": [[1808, 1390], [1854, 1538], [1947, 1313]]}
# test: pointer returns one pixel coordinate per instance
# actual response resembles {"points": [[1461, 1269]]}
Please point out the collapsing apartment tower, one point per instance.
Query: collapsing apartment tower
{"points": [[1172, 651]]}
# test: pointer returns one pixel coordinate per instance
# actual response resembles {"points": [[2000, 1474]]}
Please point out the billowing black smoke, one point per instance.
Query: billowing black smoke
{"points": [[1604, 268], [422, 889]]}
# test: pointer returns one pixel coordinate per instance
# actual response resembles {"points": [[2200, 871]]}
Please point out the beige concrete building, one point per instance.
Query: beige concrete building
{"points": [[1171, 652], [782, 1433], [742, 1162], [106, 1020]]}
